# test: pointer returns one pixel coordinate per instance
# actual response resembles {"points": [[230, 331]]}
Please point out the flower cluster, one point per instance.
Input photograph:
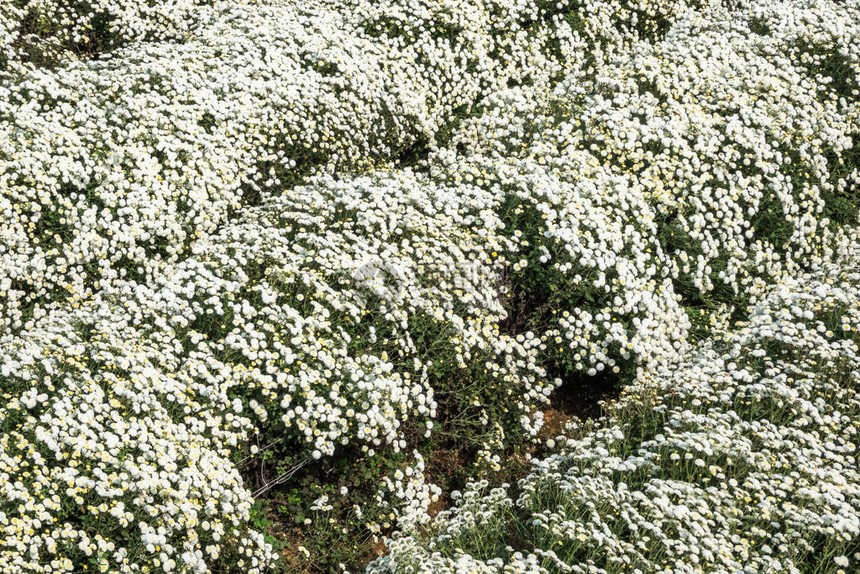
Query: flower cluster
{"points": [[719, 160], [236, 237], [665, 179], [328, 315], [407, 497], [112, 168], [44, 31], [742, 456], [117, 467]]}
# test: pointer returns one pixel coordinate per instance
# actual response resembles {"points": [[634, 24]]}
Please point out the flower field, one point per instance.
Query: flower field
{"points": [[738, 457], [331, 285]]}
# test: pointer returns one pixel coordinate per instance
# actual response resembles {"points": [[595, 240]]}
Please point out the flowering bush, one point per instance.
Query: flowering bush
{"points": [[326, 316], [740, 456], [646, 204], [43, 31], [354, 228], [111, 169], [409, 495]]}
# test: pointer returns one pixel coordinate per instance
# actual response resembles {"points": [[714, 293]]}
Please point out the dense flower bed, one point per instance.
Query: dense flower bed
{"points": [[672, 177], [717, 141], [740, 457], [111, 169], [342, 225], [44, 31]]}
